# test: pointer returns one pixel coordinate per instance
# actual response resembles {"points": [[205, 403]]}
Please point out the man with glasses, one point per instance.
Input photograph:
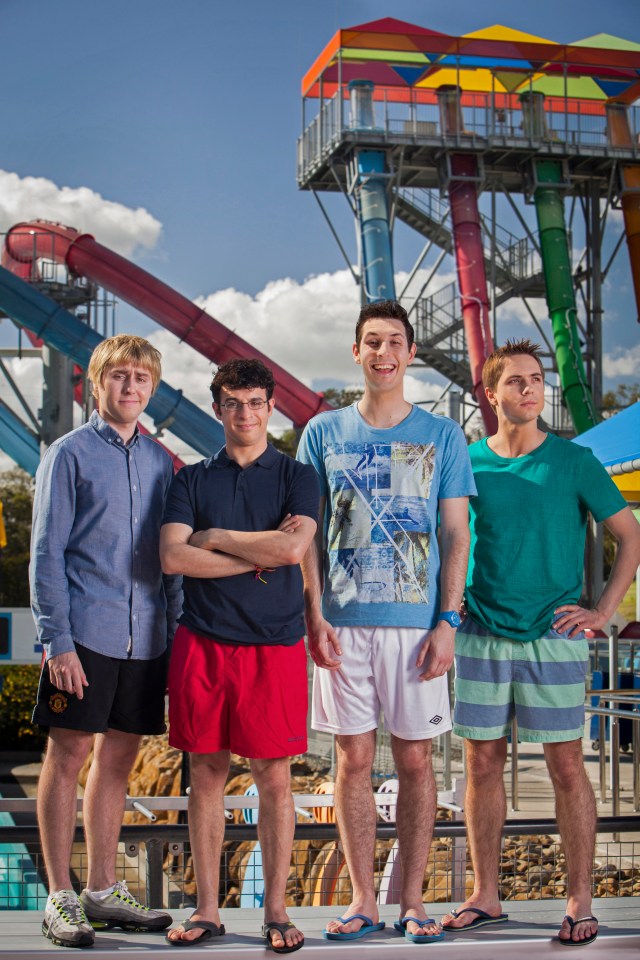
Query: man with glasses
{"points": [[236, 526]]}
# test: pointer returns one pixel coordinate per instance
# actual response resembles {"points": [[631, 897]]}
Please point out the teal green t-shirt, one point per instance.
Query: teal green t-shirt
{"points": [[528, 527]]}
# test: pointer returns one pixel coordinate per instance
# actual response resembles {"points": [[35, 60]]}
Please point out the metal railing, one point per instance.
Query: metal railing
{"points": [[156, 862], [579, 127]]}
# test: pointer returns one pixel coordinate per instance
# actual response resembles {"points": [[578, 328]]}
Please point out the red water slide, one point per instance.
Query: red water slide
{"points": [[26, 242]]}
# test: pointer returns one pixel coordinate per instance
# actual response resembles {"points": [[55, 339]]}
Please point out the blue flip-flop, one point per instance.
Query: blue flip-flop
{"points": [[482, 919], [401, 927], [367, 927]]}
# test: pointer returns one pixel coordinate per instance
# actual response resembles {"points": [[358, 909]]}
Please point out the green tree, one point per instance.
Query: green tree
{"points": [[16, 494], [288, 441], [343, 398], [18, 691], [623, 396]]}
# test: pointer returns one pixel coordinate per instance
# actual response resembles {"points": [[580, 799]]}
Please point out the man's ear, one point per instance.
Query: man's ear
{"points": [[356, 353]]}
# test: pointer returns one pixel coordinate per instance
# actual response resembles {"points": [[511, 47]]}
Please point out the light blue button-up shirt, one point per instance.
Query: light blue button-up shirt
{"points": [[95, 568]]}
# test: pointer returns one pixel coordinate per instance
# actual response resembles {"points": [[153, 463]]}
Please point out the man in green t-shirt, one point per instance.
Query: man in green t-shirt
{"points": [[521, 651]]}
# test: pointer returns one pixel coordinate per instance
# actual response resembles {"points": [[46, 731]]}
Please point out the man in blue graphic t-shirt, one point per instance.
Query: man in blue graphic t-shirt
{"points": [[382, 594]]}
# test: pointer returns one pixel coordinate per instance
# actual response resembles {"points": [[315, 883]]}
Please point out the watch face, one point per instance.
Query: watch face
{"points": [[452, 617]]}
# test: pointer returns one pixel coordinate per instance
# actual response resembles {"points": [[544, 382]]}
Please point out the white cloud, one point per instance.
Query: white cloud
{"points": [[122, 228], [622, 362], [307, 328]]}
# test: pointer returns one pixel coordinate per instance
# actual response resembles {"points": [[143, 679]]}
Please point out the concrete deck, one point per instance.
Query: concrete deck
{"points": [[529, 935]]}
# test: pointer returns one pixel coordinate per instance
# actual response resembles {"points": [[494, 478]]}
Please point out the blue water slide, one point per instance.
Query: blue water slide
{"points": [[168, 408], [371, 200], [373, 218], [17, 441]]}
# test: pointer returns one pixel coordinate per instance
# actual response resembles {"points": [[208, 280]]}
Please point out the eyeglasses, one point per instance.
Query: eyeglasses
{"points": [[256, 403]]}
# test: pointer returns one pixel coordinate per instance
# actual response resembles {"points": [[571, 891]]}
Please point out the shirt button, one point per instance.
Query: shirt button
{"points": [[134, 617], [135, 519], [134, 487], [136, 586]]}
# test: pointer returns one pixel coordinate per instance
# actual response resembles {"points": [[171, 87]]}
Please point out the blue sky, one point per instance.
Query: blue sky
{"points": [[180, 119]]}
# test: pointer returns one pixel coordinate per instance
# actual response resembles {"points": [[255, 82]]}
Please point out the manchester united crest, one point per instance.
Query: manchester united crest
{"points": [[58, 703]]}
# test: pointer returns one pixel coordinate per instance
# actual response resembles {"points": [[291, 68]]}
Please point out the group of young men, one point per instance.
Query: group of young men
{"points": [[366, 537]]}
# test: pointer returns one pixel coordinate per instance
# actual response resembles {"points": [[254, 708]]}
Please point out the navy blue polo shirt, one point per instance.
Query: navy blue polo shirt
{"points": [[219, 493]]}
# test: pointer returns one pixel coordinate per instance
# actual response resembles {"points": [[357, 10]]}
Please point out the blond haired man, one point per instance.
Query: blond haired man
{"points": [[104, 614]]}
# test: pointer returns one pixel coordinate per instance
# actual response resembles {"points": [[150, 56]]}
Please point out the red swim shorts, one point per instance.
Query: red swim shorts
{"points": [[251, 700]]}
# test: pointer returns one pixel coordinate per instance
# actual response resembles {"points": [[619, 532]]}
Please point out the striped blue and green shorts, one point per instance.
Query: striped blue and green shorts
{"points": [[540, 682]]}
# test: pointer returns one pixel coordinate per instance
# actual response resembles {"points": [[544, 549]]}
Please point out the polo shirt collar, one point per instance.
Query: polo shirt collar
{"points": [[108, 433], [265, 460]]}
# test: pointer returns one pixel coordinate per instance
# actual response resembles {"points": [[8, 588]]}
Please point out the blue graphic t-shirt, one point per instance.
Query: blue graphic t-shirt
{"points": [[382, 489]]}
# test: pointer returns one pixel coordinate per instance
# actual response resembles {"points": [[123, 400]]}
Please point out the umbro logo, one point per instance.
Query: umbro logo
{"points": [[436, 720]]}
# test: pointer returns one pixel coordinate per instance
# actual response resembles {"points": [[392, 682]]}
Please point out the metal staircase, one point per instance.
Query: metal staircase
{"points": [[513, 263]]}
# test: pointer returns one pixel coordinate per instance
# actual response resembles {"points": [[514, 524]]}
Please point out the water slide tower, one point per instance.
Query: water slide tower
{"points": [[462, 139]]}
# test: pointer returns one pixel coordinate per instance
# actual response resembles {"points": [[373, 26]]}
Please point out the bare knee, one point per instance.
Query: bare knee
{"points": [[412, 759], [115, 753], [272, 778], [355, 755], [66, 752], [486, 759], [565, 764], [207, 769]]}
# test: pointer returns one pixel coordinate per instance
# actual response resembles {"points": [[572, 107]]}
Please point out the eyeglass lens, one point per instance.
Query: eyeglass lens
{"points": [[255, 404]]}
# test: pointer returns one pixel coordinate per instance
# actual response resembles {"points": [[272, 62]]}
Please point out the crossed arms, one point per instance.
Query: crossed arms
{"points": [[217, 552]]}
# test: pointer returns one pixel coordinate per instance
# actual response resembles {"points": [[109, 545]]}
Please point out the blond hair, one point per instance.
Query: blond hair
{"points": [[123, 349]]}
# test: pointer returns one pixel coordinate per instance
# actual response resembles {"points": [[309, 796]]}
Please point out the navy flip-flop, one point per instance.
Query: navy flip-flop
{"points": [[482, 919], [209, 930], [572, 923], [367, 927], [401, 927]]}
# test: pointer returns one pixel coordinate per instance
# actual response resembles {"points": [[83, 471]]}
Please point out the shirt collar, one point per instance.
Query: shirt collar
{"points": [[108, 433], [265, 460]]}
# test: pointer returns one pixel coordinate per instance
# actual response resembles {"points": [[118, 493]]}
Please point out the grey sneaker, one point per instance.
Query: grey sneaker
{"points": [[121, 909], [65, 921]]}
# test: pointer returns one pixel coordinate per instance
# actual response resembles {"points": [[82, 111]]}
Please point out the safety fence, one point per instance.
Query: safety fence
{"points": [[156, 862]]}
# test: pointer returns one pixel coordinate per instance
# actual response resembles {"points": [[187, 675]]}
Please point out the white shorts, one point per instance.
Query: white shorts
{"points": [[379, 672]]}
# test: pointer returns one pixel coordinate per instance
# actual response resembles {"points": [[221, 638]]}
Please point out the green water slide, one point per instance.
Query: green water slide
{"points": [[561, 301]]}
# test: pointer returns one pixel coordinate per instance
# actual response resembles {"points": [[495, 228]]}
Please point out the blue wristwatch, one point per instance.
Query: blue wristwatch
{"points": [[452, 617]]}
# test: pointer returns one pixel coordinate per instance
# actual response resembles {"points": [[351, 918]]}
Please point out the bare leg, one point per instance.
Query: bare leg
{"points": [[356, 816], [57, 794], [276, 824], [104, 797], [416, 813], [209, 773], [485, 813], [576, 815]]}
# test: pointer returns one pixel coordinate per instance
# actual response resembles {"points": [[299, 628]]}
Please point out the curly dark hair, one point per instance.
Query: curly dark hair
{"points": [[242, 375]]}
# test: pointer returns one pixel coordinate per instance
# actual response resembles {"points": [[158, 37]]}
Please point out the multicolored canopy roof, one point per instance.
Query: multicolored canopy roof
{"points": [[411, 62]]}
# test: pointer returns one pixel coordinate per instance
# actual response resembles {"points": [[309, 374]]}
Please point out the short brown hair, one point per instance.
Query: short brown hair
{"points": [[496, 361], [385, 310], [242, 374], [125, 348]]}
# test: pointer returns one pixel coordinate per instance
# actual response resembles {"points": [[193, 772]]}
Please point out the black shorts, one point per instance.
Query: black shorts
{"points": [[126, 695]]}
